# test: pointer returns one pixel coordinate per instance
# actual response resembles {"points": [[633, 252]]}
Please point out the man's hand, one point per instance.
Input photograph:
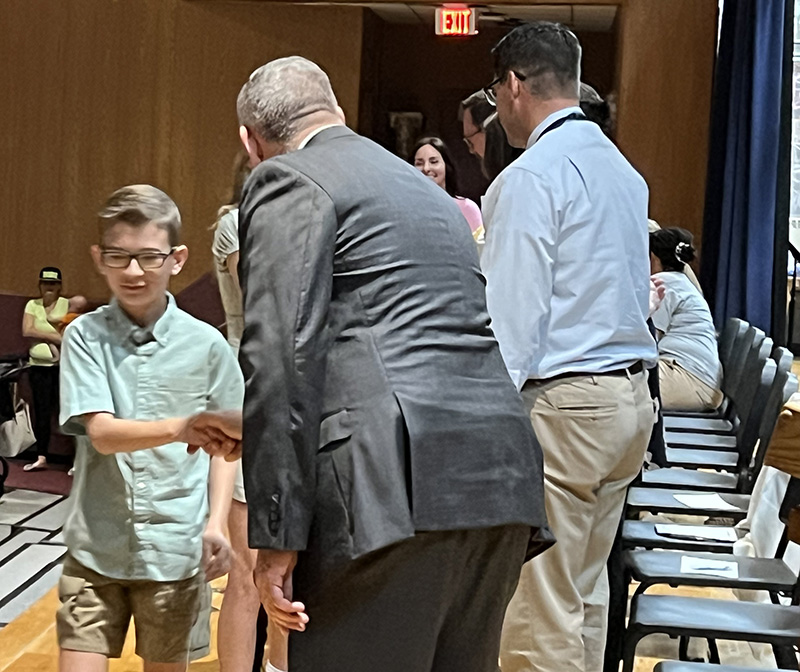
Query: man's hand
{"points": [[219, 433], [657, 292], [273, 578], [217, 554]]}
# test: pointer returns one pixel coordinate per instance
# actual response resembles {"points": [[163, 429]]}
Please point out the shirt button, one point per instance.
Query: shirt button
{"points": [[140, 484]]}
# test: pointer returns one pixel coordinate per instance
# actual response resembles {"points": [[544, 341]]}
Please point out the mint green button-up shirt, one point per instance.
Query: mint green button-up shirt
{"points": [[141, 515]]}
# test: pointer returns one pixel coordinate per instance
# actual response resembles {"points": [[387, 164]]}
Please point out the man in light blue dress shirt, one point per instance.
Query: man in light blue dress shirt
{"points": [[567, 269]]}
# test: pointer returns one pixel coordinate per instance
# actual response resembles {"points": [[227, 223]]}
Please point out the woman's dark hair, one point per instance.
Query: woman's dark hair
{"points": [[450, 174], [595, 108], [672, 247], [241, 171], [498, 154]]}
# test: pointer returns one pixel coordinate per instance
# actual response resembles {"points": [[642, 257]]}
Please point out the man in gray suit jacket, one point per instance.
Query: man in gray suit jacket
{"points": [[394, 483]]}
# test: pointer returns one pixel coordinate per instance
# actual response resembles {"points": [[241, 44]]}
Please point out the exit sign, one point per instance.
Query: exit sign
{"points": [[452, 20]]}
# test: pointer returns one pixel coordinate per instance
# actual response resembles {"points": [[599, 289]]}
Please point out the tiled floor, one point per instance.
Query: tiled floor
{"points": [[30, 554]]}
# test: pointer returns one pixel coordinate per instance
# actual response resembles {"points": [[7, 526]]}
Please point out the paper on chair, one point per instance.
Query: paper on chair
{"points": [[705, 501], [723, 568], [697, 532]]}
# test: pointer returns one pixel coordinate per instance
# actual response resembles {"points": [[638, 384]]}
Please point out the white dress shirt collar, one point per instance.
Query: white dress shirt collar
{"points": [[558, 114], [314, 134]]}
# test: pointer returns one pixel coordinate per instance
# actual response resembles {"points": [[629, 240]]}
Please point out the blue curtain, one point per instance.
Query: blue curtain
{"points": [[742, 234]]}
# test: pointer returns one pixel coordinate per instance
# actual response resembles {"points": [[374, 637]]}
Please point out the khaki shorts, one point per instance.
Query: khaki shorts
{"points": [[200, 638], [96, 611]]}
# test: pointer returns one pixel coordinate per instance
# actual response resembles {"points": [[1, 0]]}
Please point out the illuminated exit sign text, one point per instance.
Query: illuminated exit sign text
{"points": [[455, 21]]}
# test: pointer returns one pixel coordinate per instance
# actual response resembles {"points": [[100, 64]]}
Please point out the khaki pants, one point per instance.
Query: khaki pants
{"points": [[594, 432], [683, 391]]}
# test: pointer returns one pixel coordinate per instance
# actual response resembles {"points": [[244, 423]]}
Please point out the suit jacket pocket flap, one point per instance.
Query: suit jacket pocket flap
{"points": [[336, 427]]}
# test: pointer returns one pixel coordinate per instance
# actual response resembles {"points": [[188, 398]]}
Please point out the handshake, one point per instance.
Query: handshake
{"points": [[219, 433]]}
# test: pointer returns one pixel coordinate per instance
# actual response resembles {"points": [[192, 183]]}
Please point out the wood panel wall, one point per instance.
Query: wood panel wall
{"points": [[101, 93], [665, 72]]}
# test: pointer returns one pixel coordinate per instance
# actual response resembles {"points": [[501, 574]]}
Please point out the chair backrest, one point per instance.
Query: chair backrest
{"points": [[791, 500], [789, 515], [766, 414], [748, 384], [784, 357], [793, 525], [731, 376], [734, 328]]}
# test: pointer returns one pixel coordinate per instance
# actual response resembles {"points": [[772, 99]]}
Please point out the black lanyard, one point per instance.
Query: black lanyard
{"points": [[575, 116]]}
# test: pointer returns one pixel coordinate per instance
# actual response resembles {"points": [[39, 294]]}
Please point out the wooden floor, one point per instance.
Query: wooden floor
{"points": [[28, 644]]}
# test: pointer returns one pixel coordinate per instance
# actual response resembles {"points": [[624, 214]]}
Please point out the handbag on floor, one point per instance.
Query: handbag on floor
{"points": [[16, 434]]}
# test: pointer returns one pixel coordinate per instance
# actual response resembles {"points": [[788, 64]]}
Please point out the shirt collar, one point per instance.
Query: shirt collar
{"points": [[139, 336], [558, 114], [314, 134]]}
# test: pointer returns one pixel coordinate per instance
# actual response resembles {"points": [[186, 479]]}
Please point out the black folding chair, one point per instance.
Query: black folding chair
{"points": [[743, 337], [773, 390], [685, 617], [681, 666], [650, 568], [705, 455], [691, 430]]}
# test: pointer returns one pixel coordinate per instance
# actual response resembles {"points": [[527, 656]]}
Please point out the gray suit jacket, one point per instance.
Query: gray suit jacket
{"points": [[377, 402]]}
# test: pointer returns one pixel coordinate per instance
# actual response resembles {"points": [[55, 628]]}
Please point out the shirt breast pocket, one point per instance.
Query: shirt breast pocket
{"points": [[180, 397]]}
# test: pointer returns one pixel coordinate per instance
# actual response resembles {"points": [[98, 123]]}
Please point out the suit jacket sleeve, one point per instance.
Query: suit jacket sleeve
{"points": [[288, 233]]}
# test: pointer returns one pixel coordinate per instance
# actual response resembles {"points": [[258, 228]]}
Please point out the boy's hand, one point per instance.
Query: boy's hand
{"points": [[273, 578], [219, 433], [217, 554]]}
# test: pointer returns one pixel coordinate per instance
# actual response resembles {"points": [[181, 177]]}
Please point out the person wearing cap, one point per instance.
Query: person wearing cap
{"points": [[38, 327]]}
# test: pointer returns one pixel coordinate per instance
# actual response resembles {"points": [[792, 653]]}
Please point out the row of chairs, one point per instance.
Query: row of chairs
{"points": [[714, 461]]}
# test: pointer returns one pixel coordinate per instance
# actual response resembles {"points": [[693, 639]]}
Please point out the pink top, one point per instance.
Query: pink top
{"points": [[471, 212]]}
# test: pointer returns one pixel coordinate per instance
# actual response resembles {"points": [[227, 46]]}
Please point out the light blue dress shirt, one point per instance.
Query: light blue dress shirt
{"points": [[141, 515], [566, 257]]}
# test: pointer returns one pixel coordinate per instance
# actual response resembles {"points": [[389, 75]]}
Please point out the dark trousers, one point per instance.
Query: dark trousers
{"points": [[432, 603], [44, 385]]}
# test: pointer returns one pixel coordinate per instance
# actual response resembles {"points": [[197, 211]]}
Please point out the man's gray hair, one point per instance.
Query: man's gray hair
{"points": [[280, 94]]}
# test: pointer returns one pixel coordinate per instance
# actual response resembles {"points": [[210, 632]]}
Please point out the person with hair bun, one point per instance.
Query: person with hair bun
{"points": [[689, 369]]}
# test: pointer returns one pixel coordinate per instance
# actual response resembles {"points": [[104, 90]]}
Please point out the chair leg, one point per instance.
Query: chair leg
{"points": [[713, 652], [683, 648], [632, 638], [785, 657]]}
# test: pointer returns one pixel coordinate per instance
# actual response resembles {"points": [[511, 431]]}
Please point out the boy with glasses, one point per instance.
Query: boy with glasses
{"points": [[141, 380]]}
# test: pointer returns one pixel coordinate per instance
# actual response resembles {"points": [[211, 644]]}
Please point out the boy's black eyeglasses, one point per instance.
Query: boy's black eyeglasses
{"points": [[488, 91], [148, 261]]}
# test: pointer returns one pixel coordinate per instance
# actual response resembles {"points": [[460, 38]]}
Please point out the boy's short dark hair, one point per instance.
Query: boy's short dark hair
{"points": [[140, 204], [547, 55]]}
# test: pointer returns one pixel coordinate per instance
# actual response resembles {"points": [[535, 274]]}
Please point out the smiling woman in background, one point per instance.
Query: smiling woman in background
{"points": [[432, 159], [38, 327]]}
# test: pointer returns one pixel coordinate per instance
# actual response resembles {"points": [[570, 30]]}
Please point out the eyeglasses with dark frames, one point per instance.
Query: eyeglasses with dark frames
{"points": [[113, 257], [488, 91]]}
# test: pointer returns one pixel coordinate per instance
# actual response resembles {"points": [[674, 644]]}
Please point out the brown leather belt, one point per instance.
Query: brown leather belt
{"points": [[632, 370]]}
